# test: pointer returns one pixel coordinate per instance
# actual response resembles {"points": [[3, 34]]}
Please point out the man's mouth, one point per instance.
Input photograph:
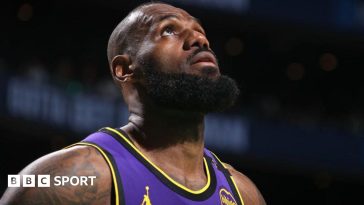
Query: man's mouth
{"points": [[204, 57], [204, 62]]}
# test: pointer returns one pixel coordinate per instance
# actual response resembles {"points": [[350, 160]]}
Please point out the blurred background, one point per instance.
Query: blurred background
{"points": [[297, 130]]}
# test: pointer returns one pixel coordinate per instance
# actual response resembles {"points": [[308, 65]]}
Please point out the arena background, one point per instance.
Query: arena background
{"points": [[297, 130]]}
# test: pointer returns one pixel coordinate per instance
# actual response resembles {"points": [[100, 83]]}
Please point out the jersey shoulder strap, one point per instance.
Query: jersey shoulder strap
{"points": [[221, 167]]}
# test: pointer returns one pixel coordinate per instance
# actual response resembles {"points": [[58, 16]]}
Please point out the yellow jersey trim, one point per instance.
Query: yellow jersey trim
{"points": [[161, 171], [108, 162], [232, 179]]}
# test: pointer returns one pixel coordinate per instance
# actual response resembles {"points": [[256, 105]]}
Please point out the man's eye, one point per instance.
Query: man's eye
{"points": [[168, 31]]}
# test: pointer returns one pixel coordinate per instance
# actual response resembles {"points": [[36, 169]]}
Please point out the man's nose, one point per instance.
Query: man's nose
{"points": [[195, 39]]}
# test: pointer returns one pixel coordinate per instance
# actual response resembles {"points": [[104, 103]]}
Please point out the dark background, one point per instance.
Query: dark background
{"points": [[299, 65]]}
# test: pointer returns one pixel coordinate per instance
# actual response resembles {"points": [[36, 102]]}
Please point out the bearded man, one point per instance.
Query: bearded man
{"points": [[161, 59]]}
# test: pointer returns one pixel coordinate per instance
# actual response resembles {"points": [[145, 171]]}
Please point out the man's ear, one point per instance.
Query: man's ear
{"points": [[121, 68]]}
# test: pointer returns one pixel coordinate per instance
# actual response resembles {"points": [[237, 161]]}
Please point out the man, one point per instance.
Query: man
{"points": [[162, 61]]}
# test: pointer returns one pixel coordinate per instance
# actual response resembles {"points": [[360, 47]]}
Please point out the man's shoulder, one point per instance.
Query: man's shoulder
{"points": [[91, 179], [77, 160], [248, 190]]}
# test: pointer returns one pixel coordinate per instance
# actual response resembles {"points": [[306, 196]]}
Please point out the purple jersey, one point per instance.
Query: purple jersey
{"points": [[137, 181]]}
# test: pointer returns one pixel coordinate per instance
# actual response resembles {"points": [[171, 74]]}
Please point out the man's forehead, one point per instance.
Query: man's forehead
{"points": [[163, 8], [159, 12]]}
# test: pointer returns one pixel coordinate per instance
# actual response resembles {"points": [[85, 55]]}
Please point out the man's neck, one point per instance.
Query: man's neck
{"points": [[173, 141]]}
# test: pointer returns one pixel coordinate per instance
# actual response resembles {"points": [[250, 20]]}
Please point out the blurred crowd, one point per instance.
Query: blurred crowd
{"points": [[307, 108], [73, 78]]}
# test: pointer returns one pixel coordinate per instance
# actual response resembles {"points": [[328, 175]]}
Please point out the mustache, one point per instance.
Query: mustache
{"points": [[201, 49]]}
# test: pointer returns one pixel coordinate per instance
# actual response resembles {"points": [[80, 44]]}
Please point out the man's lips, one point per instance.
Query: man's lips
{"points": [[203, 56]]}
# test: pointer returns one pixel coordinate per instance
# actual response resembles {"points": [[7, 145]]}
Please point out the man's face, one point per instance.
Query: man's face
{"points": [[177, 43], [177, 66]]}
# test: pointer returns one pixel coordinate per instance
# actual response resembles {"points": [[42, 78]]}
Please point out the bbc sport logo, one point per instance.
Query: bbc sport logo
{"points": [[46, 180]]}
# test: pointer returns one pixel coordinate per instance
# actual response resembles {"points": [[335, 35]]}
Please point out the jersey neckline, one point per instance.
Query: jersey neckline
{"points": [[198, 195]]}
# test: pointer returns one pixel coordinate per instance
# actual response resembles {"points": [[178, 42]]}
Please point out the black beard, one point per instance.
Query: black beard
{"points": [[188, 92]]}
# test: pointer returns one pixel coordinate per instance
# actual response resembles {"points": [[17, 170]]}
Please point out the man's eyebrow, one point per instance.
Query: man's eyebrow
{"points": [[171, 16], [167, 16]]}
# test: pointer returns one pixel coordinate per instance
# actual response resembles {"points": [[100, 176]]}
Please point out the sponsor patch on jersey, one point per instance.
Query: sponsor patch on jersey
{"points": [[226, 198]]}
